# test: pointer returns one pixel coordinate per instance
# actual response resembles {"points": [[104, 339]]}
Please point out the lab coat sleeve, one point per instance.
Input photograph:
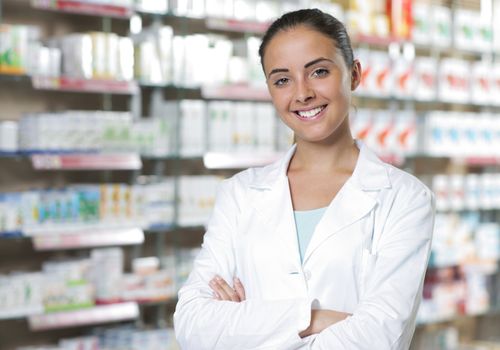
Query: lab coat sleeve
{"points": [[201, 322], [385, 316]]}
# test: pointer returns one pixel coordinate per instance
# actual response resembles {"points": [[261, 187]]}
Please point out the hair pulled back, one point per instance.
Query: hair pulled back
{"points": [[314, 19]]}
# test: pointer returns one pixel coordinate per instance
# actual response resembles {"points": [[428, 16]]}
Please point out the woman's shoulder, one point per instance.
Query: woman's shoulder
{"points": [[404, 184]]}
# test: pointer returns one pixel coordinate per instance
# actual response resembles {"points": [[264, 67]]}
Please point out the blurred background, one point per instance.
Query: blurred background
{"points": [[118, 119]]}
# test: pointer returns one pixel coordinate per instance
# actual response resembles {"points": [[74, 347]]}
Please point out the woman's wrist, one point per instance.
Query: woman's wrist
{"points": [[322, 319]]}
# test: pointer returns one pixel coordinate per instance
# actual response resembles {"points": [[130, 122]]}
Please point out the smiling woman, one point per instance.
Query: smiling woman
{"points": [[324, 249]]}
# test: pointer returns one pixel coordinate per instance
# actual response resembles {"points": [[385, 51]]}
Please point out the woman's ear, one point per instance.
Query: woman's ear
{"points": [[355, 75]]}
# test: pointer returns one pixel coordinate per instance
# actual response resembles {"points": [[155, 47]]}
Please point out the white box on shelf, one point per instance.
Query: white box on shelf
{"points": [[404, 78], [265, 127], [77, 56], [404, 137], [220, 126], [361, 123], [244, 126], [441, 32], [481, 84], [454, 80], [9, 136], [465, 29], [495, 77], [267, 11], [245, 10], [193, 126], [382, 132], [422, 23], [380, 81]]}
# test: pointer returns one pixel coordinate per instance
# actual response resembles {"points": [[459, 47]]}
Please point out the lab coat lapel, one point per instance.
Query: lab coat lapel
{"points": [[350, 205], [272, 200], [355, 200]]}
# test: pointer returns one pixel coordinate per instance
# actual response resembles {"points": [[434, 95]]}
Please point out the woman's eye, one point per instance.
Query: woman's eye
{"points": [[281, 82], [321, 72]]}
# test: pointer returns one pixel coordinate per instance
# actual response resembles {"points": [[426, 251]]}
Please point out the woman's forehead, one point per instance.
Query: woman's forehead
{"points": [[298, 46]]}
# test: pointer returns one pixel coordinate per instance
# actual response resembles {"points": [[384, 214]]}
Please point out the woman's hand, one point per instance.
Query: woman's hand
{"points": [[321, 319], [223, 291]]}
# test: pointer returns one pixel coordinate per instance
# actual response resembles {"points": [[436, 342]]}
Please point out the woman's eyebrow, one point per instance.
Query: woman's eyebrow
{"points": [[308, 64], [313, 62], [278, 70]]}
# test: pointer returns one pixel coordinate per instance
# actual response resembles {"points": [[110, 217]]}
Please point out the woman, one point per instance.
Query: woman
{"points": [[324, 249]]}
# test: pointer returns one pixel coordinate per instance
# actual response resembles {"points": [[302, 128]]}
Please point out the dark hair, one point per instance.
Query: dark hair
{"points": [[316, 20]]}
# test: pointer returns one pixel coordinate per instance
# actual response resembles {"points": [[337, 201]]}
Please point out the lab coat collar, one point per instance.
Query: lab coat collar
{"points": [[370, 173]]}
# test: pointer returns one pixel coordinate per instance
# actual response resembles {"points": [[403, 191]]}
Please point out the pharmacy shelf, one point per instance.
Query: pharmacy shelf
{"points": [[118, 161], [234, 25], [159, 302], [486, 266], [379, 41], [104, 86], [452, 318], [430, 104], [481, 161], [11, 235], [88, 239], [5, 77], [84, 7], [237, 92], [20, 312], [84, 317], [240, 160], [173, 228], [213, 23], [243, 92]]}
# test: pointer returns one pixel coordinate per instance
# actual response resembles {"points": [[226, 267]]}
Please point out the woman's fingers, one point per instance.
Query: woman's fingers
{"points": [[224, 291], [238, 286], [233, 296], [219, 292]]}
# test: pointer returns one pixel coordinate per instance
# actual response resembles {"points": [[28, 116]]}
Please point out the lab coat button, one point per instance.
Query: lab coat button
{"points": [[307, 275]]}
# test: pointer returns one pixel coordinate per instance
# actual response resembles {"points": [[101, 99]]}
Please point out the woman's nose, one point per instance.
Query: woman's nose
{"points": [[304, 92]]}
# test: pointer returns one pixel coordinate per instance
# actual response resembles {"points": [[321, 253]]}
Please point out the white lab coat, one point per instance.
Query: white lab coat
{"points": [[367, 256]]}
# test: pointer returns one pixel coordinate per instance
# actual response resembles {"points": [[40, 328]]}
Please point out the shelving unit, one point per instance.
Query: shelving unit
{"points": [[91, 239], [119, 161], [138, 95], [85, 85], [85, 317], [81, 7]]}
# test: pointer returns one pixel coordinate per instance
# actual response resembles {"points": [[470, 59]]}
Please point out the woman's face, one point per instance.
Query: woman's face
{"points": [[310, 84]]}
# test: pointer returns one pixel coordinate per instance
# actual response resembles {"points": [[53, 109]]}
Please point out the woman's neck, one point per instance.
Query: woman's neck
{"points": [[339, 155]]}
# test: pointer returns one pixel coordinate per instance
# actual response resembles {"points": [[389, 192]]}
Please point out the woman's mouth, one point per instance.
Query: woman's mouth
{"points": [[311, 114]]}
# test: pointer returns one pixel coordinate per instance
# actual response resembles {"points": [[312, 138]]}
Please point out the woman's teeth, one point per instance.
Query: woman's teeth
{"points": [[310, 113]]}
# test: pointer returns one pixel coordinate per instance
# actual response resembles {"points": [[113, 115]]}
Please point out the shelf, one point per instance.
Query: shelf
{"points": [[86, 85], [89, 239], [234, 25], [452, 318], [20, 313], [11, 235], [235, 160], [377, 40], [131, 161], [221, 160], [236, 92], [374, 40], [83, 7], [432, 103], [91, 316], [480, 161], [5, 77], [159, 302]]}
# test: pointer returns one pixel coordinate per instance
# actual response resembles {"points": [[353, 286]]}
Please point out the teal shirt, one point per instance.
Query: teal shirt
{"points": [[305, 223]]}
